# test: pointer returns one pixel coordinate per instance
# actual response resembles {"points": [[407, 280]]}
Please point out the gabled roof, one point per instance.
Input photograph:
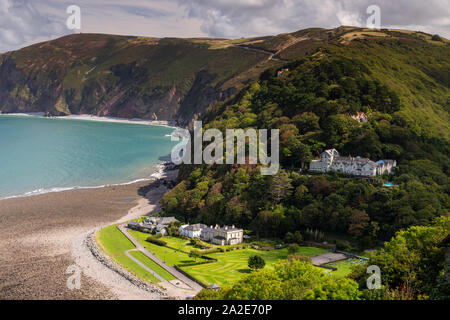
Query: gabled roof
{"points": [[332, 152], [166, 220], [196, 227], [214, 286]]}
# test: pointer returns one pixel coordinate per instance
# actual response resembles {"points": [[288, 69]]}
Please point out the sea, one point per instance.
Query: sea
{"points": [[40, 155]]}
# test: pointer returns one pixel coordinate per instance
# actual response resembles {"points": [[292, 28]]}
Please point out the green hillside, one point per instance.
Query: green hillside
{"points": [[400, 80], [178, 79]]}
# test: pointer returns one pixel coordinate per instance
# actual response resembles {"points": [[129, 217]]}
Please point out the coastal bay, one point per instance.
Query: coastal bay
{"points": [[62, 179], [37, 235]]}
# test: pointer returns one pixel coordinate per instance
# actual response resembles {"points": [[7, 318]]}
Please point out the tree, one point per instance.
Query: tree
{"points": [[289, 237], [195, 254], [280, 187], [298, 238], [293, 248], [255, 262], [413, 259], [298, 152], [359, 222], [342, 289]]}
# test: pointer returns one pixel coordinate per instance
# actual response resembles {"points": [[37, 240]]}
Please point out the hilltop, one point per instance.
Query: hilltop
{"points": [[178, 79]]}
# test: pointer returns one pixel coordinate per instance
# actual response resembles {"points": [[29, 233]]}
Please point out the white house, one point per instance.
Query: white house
{"points": [[331, 160], [224, 235], [192, 231], [218, 235]]}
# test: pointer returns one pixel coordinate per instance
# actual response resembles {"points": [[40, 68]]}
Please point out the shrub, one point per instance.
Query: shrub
{"points": [[255, 262], [200, 245], [195, 254], [156, 241], [343, 246], [293, 248], [211, 250]]}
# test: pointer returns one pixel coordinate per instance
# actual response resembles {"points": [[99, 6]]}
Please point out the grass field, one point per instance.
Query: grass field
{"points": [[343, 267], [152, 265], [169, 256], [114, 243], [232, 265]]}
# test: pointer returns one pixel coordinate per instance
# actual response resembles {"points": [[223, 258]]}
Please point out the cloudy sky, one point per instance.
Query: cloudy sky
{"points": [[23, 22]]}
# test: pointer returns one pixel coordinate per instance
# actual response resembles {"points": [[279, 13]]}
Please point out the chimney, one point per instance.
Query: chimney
{"points": [[226, 227], [232, 226]]}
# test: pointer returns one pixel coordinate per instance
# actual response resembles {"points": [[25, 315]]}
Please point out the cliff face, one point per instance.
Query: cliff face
{"points": [[165, 79]]}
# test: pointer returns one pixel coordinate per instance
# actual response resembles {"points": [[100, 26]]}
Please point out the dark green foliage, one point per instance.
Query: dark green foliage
{"points": [[412, 263], [255, 262], [289, 280], [195, 254], [311, 107], [157, 241], [293, 248]]}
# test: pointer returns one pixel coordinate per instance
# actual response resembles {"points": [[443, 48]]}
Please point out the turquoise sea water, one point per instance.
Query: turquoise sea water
{"points": [[39, 155]]}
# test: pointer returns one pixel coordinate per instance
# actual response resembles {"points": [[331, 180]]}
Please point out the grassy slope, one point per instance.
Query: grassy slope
{"points": [[233, 265], [114, 243], [168, 62], [417, 69], [171, 257], [152, 265]]}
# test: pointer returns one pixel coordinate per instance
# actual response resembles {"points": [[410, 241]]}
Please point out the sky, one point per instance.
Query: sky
{"points": [[24, 22]]}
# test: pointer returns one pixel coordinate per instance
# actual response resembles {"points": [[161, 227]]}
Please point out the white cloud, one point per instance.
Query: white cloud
{"points": [[23, 22], [236, 18]]}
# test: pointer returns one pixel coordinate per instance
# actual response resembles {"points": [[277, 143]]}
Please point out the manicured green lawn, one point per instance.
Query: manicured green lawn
{"points": [[343, 267], [170, 256], [152, 265], [232, 265], [114, 243]]}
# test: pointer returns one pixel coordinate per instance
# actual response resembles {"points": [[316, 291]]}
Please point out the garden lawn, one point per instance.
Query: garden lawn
{"points": [[169, 256], [233, 265], [114, 243], [344, 267], [152, 265]]}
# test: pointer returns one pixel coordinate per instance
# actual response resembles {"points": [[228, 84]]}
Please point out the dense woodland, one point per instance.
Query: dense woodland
{"points": [[311, 105]]}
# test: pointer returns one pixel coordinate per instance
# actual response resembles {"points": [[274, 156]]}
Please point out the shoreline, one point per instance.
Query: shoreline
{"points": [[97, 264], [38, 235], [154, 176], [87, 117]]}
